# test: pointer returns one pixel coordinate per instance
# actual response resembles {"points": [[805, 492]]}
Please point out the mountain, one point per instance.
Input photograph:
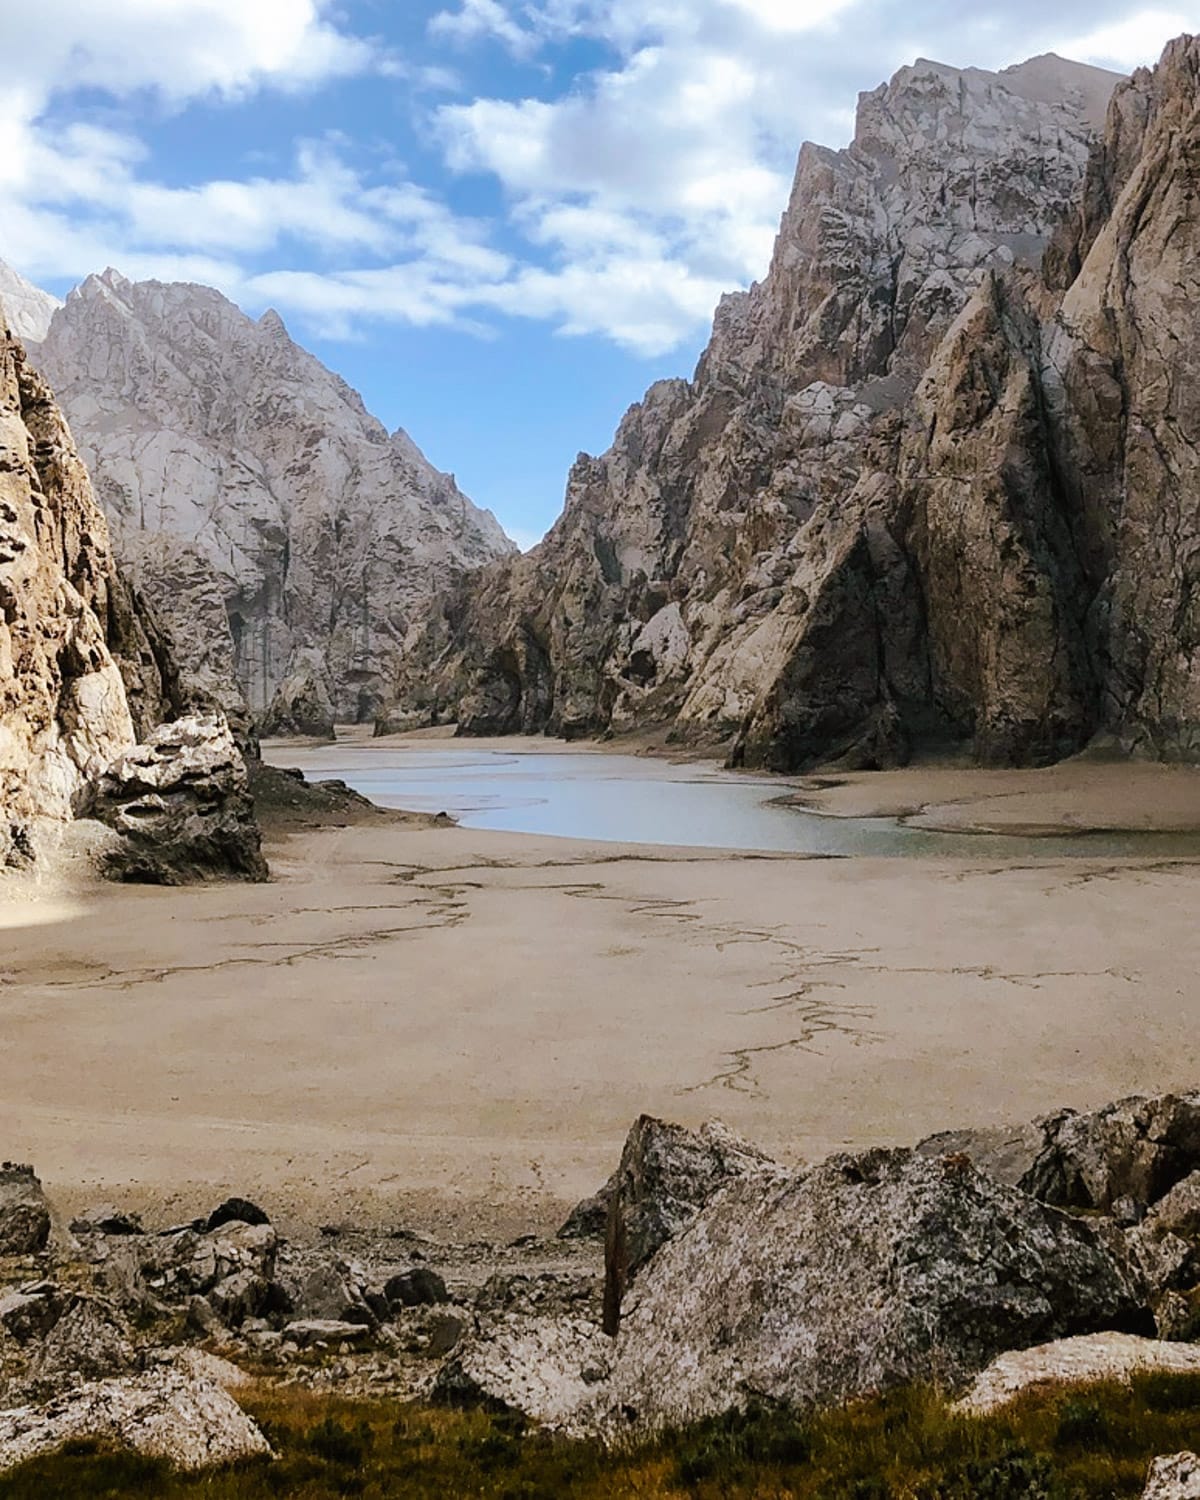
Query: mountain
{"points": [[232, 463], [933, 481], [25, 307]]}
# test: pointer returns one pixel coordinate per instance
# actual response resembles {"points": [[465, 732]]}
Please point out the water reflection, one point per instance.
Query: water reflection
{"points": [[627, 799]]}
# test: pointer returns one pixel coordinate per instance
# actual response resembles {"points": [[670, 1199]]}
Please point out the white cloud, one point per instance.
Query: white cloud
{"points": [[634, 195], [180, 49], [1132, 42]]}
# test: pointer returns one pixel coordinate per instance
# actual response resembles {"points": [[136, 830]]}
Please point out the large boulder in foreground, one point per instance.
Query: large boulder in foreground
{"points": [[182, 807], [867, 1272], [24, 1212], [167, 1414], [666, 1175]]}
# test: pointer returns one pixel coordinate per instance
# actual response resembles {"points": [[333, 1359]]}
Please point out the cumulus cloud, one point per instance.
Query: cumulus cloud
{"points": [[670, 165], [177, 48], [633, 196]]}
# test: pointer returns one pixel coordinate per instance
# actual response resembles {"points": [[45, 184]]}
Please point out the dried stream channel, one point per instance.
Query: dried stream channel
{"points": [[630, 799]]}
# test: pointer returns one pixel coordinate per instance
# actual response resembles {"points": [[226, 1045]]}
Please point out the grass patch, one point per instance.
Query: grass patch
{"points": [[1071, 1444]]}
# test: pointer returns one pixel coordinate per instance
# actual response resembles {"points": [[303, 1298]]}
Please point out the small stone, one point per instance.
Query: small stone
{"points": [[416, 1288], [236, 1210], [1175, 1478]]}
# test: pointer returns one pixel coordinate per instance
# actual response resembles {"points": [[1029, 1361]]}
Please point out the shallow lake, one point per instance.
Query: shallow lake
{"points": [[631, 799]]}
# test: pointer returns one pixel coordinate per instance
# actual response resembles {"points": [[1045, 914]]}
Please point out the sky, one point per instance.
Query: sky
{"points": [[500, 220]]}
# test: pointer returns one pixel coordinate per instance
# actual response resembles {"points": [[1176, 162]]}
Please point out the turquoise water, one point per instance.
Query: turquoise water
{"points": [[628, 799]]}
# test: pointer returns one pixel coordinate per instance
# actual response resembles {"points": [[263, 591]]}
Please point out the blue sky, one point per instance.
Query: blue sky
{"points": [[498, 219]]}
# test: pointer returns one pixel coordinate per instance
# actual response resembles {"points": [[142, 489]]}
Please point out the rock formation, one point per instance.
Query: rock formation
{"points": [[868, 1272], [85, 669], [186, 1420], [181, 804], [231, 463], [760, 1286], [68, 622], [932, 481]]}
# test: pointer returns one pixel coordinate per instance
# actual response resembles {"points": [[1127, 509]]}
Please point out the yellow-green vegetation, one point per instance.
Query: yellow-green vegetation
{"points": [[1077, 1444]]}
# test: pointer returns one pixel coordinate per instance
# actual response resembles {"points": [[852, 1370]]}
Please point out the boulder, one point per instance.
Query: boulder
{"points": [[1134, 1149], [235, 1211], [24, 1212], [867, 1272], [165, 1413], [1005, 1152], [308, 1332], [1078, 1361], [419, 1287], [323, 1291], [666, 1175], [1175, 1478], [544, 1368], [106, 1219], [173, 1268], [181, 804]]}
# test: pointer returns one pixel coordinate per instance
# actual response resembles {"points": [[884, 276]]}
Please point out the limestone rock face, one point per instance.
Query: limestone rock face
{"points": [[867, 1272], [181, 804], [1085, 1360], [751, 560], [933, 480], [81, 666], [326, 533]]}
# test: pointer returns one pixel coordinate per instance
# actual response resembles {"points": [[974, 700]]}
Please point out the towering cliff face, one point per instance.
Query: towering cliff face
{"points": [[921, 487], [81, 667], [231, 462]]}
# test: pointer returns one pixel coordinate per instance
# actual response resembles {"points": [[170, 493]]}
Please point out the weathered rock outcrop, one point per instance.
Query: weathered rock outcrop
{"points": [[82, 667], [1079, 1361], [665, 1177], [24, 1214], [934, 478], [1135, 1149], [182, 807], [324, 533], [865, 1273], [86, 671], [186, 1420]]}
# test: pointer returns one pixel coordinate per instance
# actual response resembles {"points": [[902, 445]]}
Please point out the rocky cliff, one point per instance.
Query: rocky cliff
{"points": [[66, 618], [85, 670], [233, 466], [934, 478]]}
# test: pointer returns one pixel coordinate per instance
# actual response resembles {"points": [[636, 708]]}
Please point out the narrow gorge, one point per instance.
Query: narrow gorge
{"points": [[933, 483]]}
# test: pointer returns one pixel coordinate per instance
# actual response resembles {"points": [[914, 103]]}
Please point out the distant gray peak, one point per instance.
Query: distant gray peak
{"points": [[24, 307]]}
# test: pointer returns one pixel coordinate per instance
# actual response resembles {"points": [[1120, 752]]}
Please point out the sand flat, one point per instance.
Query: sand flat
{"points": [[453, 1029]]}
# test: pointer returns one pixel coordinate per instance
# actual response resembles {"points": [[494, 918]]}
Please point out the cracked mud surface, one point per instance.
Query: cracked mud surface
{"points": [[451, 1031]]}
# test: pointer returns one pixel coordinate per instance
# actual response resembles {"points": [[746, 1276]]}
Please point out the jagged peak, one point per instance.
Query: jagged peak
{"points": [[272, 323]]}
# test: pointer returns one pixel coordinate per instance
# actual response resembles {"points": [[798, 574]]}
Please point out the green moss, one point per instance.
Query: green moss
{"points": [[1059, 1445]]}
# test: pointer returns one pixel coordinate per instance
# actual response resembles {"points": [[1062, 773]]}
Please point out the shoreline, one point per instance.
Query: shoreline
{"points": [[451, 1031]]}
